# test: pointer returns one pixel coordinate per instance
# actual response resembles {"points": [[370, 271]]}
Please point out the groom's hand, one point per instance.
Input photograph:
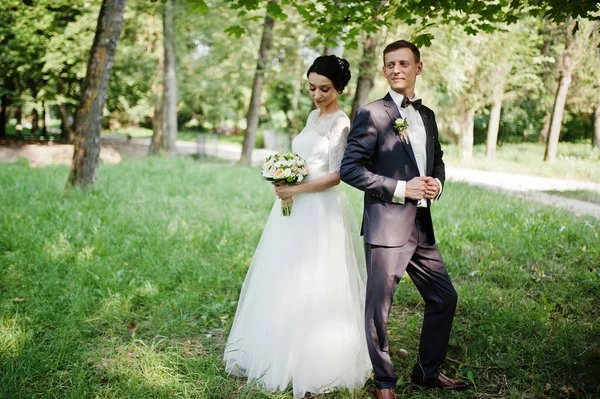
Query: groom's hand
{"points": [[433, 189], [417, 187]]}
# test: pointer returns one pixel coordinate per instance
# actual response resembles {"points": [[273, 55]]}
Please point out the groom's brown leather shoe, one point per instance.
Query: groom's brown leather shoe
{"points": [[385, 393], [441, 381]]}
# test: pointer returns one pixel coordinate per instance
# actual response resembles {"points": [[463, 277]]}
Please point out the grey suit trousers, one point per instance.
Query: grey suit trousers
{"points": [[425, 266]]}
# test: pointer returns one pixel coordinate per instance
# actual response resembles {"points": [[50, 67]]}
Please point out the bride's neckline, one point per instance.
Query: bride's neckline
{"points": [[321, 115]]}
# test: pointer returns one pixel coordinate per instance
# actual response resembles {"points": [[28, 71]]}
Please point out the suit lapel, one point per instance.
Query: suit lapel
{"points": [[392, 110], [429, 140]]}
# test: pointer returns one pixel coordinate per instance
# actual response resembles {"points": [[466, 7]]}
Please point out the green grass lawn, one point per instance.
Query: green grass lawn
{"points": [[129, 290], [185, 135], [574, 161]]}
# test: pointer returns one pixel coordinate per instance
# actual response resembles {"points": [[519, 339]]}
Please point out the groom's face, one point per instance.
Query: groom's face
{"points": [[401, 70]]}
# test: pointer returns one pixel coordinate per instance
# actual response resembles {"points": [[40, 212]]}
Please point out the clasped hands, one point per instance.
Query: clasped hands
{"points": [[422, 187]]}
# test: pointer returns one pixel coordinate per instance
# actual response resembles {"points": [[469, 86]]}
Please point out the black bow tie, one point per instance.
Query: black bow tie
{"points": [[406, 102]]}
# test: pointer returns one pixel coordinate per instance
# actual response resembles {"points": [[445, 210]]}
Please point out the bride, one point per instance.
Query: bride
{"points": [[300, 316]]}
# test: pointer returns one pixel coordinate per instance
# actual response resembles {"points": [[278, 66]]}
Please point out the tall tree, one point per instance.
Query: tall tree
{"points": [[509, 68], [368, 65], [366, 74], [574, 44], [88, 122], [596, 114], [156, 143], [499, 77], [467, 119], [596, 136], [547, 75], [169, 108], [257, 88]]}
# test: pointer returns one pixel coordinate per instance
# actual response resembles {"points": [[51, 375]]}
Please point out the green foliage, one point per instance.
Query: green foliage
{"points": [[46, 45], [129, 290], [32, 70], [350, 19], [132, 87], [214, 70], [235, 30], [559, 10]]}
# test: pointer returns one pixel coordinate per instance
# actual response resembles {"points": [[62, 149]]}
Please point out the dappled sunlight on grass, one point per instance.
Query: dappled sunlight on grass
{"points": [[139, 361], [13, 334], [129, 289]]}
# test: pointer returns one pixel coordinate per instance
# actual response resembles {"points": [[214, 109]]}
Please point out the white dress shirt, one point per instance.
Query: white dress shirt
{"points": [[417, 137]]}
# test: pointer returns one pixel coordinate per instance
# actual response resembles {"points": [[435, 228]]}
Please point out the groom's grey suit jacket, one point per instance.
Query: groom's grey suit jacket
{"points": [[375, 159]]}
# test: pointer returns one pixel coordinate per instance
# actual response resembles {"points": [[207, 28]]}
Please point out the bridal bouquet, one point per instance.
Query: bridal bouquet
{"points": [[285, 168]]}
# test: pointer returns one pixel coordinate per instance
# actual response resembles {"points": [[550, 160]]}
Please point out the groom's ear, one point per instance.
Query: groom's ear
{"points": [[419, 68]]}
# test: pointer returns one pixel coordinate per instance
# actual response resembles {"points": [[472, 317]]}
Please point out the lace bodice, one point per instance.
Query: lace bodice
{"points": [[322, 142]]}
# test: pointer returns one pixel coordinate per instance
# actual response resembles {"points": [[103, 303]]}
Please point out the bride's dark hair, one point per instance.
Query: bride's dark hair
{"points": [[334, 68]]}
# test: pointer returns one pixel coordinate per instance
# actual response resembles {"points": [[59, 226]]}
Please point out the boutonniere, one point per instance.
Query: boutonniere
{"points": [[401, 126]]}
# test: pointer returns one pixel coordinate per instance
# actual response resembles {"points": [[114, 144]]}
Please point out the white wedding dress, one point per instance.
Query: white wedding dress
{"points": [[300, 316]]}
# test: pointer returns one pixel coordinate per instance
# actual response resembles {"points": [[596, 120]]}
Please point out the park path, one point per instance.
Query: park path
{"points": [[531, 188], [524, 186], [115, 147]]}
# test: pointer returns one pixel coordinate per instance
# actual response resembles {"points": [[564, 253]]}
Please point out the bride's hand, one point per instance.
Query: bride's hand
{"points": [[286, 191]]}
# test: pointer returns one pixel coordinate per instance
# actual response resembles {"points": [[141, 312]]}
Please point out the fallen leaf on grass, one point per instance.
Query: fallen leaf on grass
{"points": [[192, 348], [565, 392], [547, 388], [18, 300], [133, 327], [104, 364]]}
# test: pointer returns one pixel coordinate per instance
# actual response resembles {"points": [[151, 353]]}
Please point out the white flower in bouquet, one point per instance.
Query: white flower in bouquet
{"points": [[285, 168]]}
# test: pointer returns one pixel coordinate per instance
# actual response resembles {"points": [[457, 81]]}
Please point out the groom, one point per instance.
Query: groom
{"points": [[394, 156]]}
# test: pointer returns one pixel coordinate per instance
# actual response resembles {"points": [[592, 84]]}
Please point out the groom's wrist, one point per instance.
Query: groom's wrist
{"points": [[400, 192], [441, 189]]}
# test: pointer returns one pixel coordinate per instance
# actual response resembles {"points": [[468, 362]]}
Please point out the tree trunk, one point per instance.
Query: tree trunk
{"points": [[366, 74], [557, 114], [493, 127], [45, 116], [567, 65], [494, 124], [545, 73], [596, 137], [169, 114], [156, 144], [257, 87], [3, 116], [543, 136], [88, 122], [35, 121], [465, 139], [19, 118], [65, 126]]}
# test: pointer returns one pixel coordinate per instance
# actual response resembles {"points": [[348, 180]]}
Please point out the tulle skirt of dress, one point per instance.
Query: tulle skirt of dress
{"points": [[300, 316]]}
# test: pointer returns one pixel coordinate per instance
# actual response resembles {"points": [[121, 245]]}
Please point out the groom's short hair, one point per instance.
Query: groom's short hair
{"points": [[402, 44]]}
